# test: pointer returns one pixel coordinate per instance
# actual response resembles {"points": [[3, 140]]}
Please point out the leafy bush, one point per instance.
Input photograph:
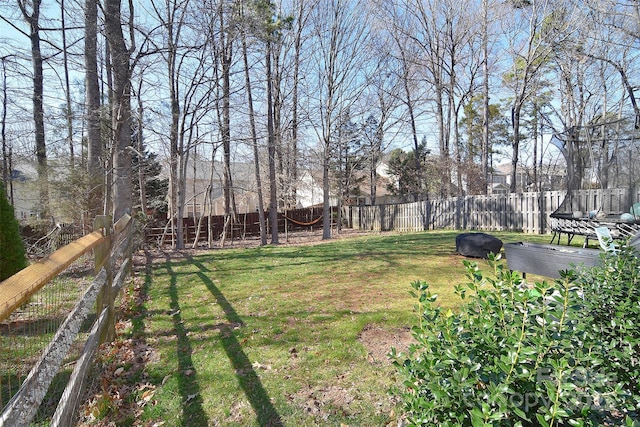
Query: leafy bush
{"points": [[513, 355], [12, 255], [612, 307]]}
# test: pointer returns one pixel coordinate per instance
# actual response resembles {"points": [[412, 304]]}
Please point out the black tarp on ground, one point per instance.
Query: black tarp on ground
{"points": [[477, 245]]}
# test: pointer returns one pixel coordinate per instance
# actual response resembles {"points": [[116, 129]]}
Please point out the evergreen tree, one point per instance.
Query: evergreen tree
{"points": [[12, 254], [156, 187], [471, 125], [409, 174], [349, 158]]}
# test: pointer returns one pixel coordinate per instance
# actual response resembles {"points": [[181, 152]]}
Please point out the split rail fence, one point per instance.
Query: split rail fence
{"points": [[43, 368], [522, 212]]}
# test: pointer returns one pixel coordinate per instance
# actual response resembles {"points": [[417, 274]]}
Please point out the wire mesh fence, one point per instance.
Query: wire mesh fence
{"points": [[49, 331], [26, 333]]}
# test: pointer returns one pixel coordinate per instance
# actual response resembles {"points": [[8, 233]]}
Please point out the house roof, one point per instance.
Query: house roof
{"points": [[505, 169], [502, 169], [243, 173]]}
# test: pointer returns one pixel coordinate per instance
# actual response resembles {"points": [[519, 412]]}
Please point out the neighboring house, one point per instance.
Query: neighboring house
{"points": [[64, 196], [309, 191], [384, 179], [23, 189], [382, 194], [25, 196], [204, 176], [500, 179], [552, 178]]}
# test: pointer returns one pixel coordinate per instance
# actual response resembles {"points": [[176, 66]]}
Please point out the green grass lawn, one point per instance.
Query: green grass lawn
{"points": [[285, 335]]}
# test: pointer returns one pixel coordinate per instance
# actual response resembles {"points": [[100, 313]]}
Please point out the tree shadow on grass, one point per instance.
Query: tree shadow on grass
{"points": [[266, 413], [193, 412]]}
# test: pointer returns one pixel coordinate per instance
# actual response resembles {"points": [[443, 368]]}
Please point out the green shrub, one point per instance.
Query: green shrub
{"points": [[612, 308], [12, 255], [513, 355]]}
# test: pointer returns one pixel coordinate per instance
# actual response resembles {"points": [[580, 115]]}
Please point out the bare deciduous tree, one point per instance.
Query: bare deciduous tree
{"points": [[254, 142], [339, 35], [537, 28], [31, 13], [120, 108], [95, 170]]}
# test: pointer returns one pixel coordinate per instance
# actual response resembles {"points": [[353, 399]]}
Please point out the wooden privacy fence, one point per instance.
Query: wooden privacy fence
{"points": [[523, 212], [112, 251], [199, 230]]}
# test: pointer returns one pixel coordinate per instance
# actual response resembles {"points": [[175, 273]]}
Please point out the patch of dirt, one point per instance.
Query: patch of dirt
{"points": [[379, 341], [341, 400], [237, 413], [322, 402]]}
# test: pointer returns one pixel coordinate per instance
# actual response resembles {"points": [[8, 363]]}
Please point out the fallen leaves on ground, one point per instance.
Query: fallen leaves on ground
{"points": [[114, 396]]}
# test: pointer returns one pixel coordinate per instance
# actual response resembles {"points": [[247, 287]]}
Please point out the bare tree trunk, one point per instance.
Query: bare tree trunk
{"points": [[174, 182], [326, 206], [276, 84], [271, 143], [515, 114], [108, 158], [175, 154], [254, 140], [340, 58], [95, 169], [409, 102], [7, 151], [140, 149], [534, 137], [603, 176], [458, 142], [3, 132], [33, 19], [484, 152], [203, 214], [445, 156], [516, 110], [194, 186], [226, 48], [67, 86], [294, 100], [183, 162], [121, 109], [540, 157], [208, 197], [571, 79], [342, 178], [615, 155]]}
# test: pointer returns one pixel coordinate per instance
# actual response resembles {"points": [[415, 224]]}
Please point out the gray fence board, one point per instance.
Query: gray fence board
{"points": [[523, 212]]}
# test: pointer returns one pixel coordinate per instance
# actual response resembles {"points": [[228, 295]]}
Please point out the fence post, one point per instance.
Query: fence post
{"points": [[102, 255]]}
